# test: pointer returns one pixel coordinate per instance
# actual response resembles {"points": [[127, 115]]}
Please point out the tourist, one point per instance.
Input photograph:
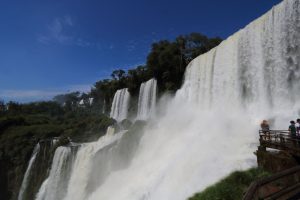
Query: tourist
{"points": [[298, 127], [265, 129], [292, 131], [265, 126]]}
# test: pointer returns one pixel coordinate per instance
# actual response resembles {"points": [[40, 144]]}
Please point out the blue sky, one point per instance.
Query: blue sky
{"points": [[55, 46]]}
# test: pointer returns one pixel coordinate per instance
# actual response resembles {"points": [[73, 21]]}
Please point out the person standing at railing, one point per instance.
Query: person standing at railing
{"points": [[298, 127], [265, 129], [265, 126], [293, 131]]}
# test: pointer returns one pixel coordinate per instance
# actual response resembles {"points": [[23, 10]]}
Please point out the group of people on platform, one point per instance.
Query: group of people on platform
{"points": [[294, 128]]}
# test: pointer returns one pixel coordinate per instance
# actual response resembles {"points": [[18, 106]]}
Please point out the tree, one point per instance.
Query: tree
{"points": [[14, 107], [196, 44], [136, 77], [118, 74], [166, 62], [2, 106]]}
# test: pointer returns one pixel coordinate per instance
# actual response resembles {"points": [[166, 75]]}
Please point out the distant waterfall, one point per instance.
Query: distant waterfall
{"points": [[147, 99], [104, 106], [28, 171], [119, 107], [55, 186]]}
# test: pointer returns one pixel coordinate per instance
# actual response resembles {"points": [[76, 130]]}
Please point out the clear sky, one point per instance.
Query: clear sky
{"points": [[55, 46]]}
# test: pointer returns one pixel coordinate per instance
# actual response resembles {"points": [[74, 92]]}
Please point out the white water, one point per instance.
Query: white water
{"points": [[104, 107], [119, 107], [147, 99], [28, 171], [54, 187], [81, 175], [210, 127]]}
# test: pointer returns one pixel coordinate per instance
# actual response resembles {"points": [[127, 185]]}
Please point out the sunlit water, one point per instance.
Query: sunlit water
{"points": [[147, 100], [119, 107]]}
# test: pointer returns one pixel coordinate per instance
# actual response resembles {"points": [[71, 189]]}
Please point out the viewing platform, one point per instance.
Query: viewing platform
{"points": [[279, 154], [280, 140]]}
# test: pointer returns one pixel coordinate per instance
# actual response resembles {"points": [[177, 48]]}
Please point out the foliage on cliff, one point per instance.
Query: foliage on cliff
{"points": [[231, 187], [23, 125]]}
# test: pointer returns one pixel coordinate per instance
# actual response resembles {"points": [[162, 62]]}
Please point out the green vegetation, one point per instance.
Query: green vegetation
{"points": [[231, 187], [35, 121], [23, 125]]}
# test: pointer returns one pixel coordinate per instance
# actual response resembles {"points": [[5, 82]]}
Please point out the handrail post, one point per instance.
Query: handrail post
{"points": [[281, 138]]}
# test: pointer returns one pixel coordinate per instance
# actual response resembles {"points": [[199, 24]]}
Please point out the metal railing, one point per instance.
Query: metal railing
{"points": [[279, 139], [281, 184]]}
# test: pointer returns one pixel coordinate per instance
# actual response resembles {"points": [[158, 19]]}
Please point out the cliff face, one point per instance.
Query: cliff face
{"points": [[275, 161], [34, 177], [13, 163], [4, 179], [21, 131], [13, 167], [51, 166]]}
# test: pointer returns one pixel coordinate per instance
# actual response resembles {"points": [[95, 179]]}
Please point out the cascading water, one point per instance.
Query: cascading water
{"points": [[147, 99], [89, 159], [55, 186], [104, 107], [37, 169], [210, 128], [119, 107], [28, 171]]}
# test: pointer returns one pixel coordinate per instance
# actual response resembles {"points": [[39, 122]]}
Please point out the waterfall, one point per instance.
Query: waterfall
{"points": [[37, 169], [55, 186], [257, 69], [119, 107], [92, 157], [104, 106], [209, 128], [147, 99], [28, 171]]}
